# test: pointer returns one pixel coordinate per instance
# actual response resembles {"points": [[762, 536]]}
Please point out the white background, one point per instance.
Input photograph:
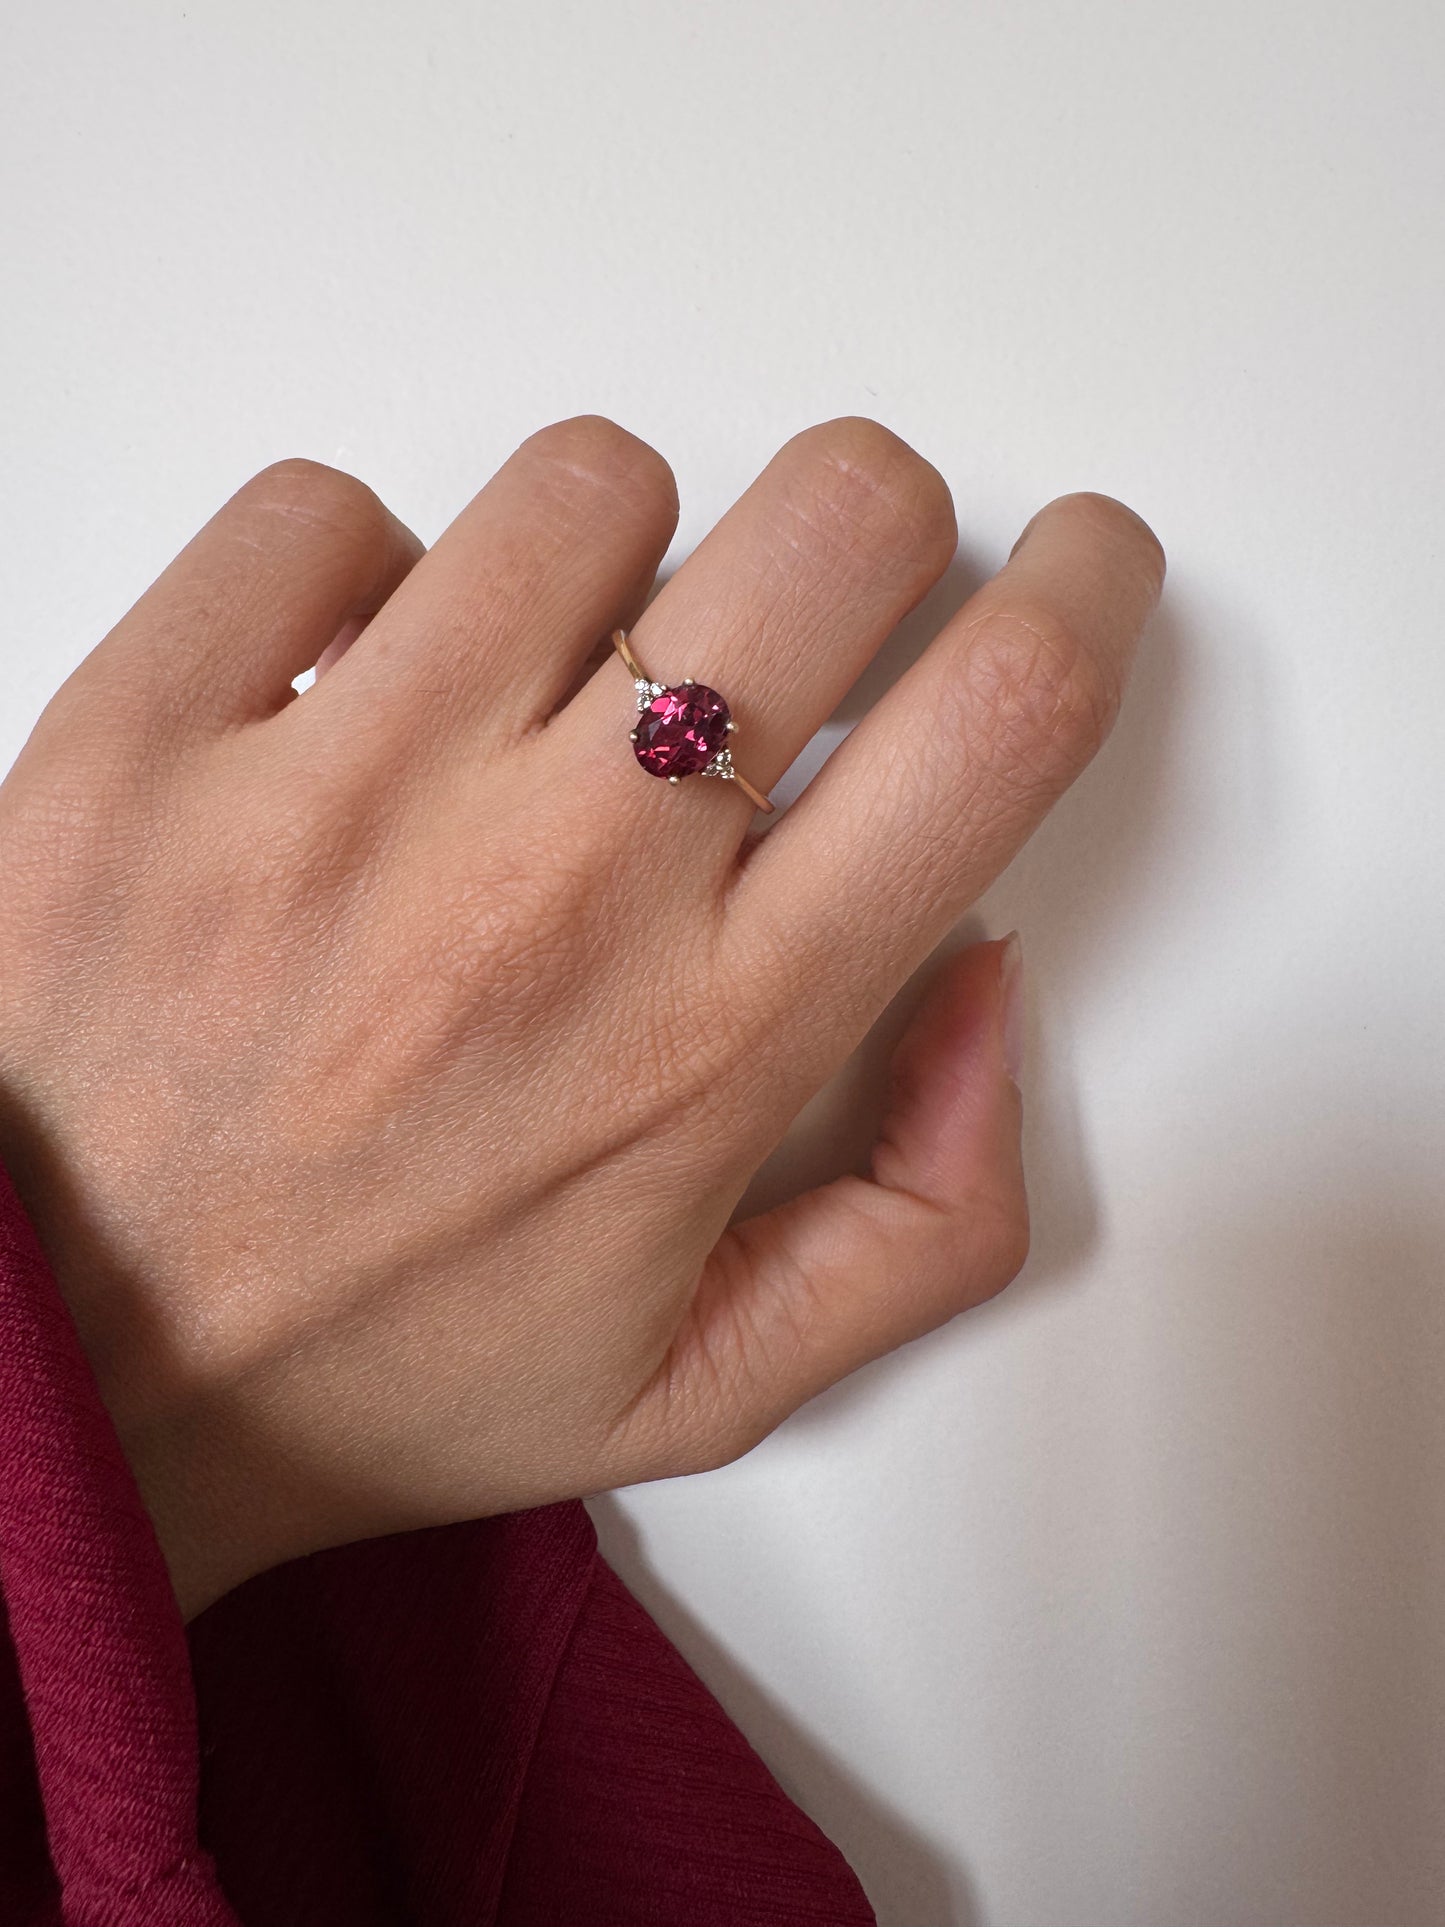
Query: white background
{"points": [[1121, 1603]]}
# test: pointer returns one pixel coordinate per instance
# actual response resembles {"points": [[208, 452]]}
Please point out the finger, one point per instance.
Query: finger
{"points": [[339, 644], [779, 610], [795, 1299], [921, 806], [256, 595], [558, 548]]}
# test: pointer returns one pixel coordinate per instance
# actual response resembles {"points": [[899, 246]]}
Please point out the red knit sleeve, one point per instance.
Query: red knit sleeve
{"points": [[98, 1647], [475, 1726]]}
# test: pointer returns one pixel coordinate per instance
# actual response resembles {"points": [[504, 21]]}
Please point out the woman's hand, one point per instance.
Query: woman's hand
{"points": [[381, 1066]]}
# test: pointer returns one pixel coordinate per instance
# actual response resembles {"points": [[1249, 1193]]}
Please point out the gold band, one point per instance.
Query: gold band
{"points": [[639, 674], [624, 649]]}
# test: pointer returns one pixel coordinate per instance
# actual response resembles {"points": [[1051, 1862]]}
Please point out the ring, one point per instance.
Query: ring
{"points": [[684, 729]]}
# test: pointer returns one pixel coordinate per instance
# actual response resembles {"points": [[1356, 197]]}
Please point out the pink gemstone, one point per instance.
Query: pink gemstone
{"points": [[681, 730]]}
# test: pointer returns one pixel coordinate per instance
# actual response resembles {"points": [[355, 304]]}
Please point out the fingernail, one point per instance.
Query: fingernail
{"points": [[1011, 988]]}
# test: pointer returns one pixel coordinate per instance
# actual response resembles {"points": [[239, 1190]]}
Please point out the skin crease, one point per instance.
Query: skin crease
{"points": [[381, 1067]]}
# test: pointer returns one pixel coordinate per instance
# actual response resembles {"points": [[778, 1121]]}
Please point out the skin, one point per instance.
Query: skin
{"points": [[381, 1067]]}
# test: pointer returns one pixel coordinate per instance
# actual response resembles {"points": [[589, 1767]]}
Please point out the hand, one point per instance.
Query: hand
{"points": [[381, 1066]]}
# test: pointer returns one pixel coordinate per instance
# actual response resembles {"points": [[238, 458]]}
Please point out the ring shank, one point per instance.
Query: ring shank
{"points": [[758, 800], [624, 649]]}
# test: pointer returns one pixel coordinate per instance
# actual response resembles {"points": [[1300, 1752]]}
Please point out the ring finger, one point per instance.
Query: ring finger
{"points": [[779, 610]]}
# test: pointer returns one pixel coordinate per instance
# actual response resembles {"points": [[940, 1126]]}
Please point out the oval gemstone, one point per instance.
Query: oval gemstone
{"points": [[681, 730]]}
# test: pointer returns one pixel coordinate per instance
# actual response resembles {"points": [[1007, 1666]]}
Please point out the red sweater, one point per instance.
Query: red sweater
{"points": [[449, 1728]]}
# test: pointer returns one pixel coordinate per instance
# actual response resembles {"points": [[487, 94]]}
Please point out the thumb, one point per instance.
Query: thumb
{"points": [[794, 1299]]}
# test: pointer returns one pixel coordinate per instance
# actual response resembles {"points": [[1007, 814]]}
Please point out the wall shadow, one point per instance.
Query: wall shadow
{"points": [[909, 1882]]}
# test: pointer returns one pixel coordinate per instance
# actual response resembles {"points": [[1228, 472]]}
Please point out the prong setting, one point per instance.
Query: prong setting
{"points": [[721, 765], [687, 731]]}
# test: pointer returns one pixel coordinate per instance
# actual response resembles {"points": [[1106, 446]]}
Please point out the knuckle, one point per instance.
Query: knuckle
{"points": [[865, 474], [1121, 527], [1048, 701], [595, 449], [314, 496]]}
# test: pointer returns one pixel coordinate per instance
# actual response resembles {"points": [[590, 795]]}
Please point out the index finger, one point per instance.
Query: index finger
{"points": [[932, 793]]}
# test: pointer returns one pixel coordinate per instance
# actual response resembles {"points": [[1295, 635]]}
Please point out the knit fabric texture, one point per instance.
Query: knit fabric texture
{"points": [[470, 1725]]}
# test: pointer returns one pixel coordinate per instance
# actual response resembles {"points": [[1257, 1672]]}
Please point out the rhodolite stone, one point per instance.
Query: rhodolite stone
{"points": [[681, 730]]}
